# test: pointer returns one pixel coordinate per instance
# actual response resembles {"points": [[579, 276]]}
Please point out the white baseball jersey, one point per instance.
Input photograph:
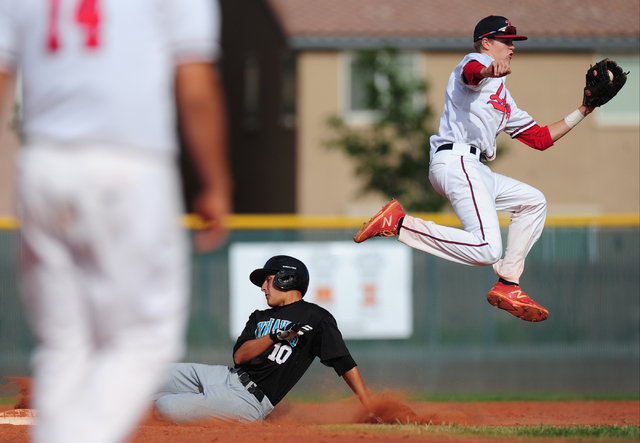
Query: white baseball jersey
{"points": [[100, 72], [475, 115]]}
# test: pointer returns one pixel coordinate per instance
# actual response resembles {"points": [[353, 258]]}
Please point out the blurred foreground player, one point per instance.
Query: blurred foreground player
{"points": [[105, 261], [275, 349]]}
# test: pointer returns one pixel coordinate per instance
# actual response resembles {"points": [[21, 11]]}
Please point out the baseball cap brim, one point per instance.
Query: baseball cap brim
{"points": [[513, 37], [257, 277]]}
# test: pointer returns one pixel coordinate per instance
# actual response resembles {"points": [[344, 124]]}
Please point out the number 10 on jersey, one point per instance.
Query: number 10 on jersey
{"points": [[280, 353]]}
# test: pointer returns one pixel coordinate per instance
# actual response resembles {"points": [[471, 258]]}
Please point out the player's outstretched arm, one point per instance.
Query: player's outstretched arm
{"points": [[353, 378], [558, 129], [203, 120]]}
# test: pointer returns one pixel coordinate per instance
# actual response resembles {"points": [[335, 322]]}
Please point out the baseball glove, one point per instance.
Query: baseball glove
{"points": [[601, 87]]}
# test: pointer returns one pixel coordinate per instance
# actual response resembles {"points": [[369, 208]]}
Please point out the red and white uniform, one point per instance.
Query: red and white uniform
{"points": [[106, 264], [473, 117], [115, 89]]}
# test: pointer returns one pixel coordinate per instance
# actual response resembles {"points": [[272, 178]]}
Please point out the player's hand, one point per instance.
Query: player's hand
{"points": [[213, 208], [290, 331], [586, 110], [299, 328], [497, 68]]}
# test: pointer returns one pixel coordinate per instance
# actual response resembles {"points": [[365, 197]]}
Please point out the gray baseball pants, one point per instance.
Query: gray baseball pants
{"points": [[198, 392]]}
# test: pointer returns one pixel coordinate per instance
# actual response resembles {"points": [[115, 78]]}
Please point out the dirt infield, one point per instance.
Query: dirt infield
{"points": [[297, 420], [300, 421]]}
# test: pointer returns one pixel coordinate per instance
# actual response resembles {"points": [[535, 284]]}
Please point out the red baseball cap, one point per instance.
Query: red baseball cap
{"points": [[496, 26]]}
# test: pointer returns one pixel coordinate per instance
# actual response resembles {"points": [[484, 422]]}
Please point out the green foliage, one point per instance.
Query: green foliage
{"points": [[392, 157]]}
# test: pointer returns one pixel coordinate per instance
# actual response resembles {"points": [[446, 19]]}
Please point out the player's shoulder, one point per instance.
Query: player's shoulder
{"points": [[478, 57], [309, 309], [316, 308], [318, 314]]}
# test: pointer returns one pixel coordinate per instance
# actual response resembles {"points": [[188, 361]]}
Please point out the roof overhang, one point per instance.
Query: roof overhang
{"points": [[538, 44]]}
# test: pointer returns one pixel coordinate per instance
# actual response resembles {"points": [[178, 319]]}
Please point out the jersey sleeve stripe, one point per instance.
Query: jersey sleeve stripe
{"points": [[522, 128]]}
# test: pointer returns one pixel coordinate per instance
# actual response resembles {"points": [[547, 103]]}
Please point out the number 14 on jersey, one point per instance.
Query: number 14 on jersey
{"points": [[87, 16]]}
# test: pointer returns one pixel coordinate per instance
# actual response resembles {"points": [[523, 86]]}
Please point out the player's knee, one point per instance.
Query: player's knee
{"points": [[165, 409], [543, 203], [495, 254], [538, 202], [492, 254]]}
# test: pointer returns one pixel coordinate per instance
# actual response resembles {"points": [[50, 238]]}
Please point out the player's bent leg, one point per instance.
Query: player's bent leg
{"points": [[191, 408], [456, 245], [469, 185], [182, 378], [529, 210], [223, 398]]}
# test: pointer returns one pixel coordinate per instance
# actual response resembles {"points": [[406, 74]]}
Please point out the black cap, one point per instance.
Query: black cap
{"points": [[290, 273], [496, 26]]}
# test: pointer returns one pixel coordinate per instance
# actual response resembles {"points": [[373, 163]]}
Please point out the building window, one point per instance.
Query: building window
{"points": [[357, 80], [288, 94], [251, 91], [624, 108]]}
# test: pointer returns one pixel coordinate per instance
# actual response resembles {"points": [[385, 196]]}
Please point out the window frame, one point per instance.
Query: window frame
{"points": [[607, 116], [367, 117]]}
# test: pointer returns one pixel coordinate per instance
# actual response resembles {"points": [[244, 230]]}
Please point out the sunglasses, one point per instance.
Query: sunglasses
{"points": [[507, 30]]}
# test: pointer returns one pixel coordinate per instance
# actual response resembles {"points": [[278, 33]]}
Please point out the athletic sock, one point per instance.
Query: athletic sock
{"points": [[507, 283]]}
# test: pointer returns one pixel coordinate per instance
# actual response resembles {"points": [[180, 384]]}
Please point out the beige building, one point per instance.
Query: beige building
{"points": [[9, 144], [287, 69], [594, 169]]}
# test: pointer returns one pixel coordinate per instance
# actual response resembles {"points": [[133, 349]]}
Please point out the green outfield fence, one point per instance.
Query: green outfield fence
{"points": [[585, 270]]}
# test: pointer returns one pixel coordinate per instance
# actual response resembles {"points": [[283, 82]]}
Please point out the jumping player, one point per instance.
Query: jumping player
{"points": [[477, 107], [275, 349], [105, 260]]}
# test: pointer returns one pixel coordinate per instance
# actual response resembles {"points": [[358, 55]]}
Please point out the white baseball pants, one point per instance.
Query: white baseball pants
{"points": [[105, 274], [476, 193]]}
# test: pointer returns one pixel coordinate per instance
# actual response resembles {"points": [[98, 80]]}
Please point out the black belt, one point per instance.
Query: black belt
{"points": [[449, 146], [248, 384]]}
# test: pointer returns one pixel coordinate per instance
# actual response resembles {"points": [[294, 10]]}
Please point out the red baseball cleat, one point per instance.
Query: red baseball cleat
{"points": [[383, 224], [516, 302]]}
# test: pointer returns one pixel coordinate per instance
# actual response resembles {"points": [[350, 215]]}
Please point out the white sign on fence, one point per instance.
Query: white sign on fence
{"points": [[366, 287]]}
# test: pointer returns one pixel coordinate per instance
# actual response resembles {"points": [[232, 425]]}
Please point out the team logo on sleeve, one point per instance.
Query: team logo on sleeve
{"points": [[500, 103]]}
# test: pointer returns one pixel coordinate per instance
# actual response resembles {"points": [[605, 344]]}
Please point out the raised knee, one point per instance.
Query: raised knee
{"points": [[490, 255], [493, 255], [539, 201], [165, 409]]}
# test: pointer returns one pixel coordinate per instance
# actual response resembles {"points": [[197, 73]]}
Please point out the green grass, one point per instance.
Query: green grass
{"points": [[626, 432], [470, 398], [7, 400]]}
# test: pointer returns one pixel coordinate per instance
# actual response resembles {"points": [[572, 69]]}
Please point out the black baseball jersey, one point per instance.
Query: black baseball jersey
{"points": [[279, 368]]}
